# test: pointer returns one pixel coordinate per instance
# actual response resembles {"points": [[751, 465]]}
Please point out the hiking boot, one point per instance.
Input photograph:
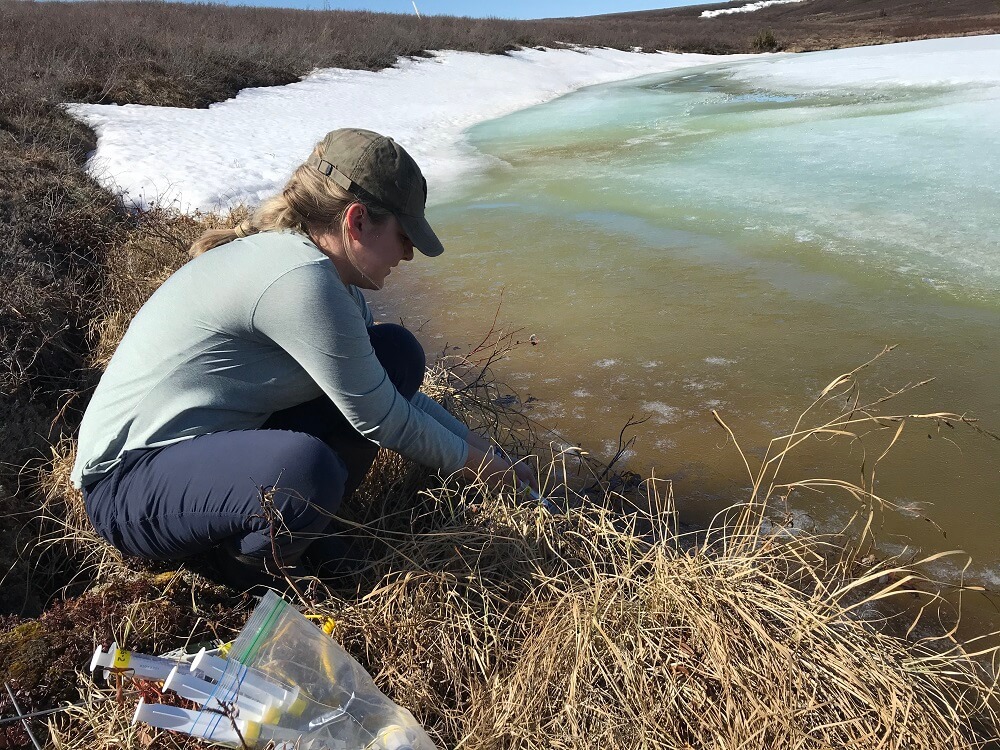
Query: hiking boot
{"points": [[248, 573]]}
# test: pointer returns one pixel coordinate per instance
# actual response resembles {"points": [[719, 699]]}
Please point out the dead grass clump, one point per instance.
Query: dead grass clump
{"points": [[502, 626], [98, 722], [65, 549], [54, 229]]}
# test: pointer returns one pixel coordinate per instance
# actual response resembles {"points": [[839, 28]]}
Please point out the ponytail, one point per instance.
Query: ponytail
{"points": [[308, 199]]}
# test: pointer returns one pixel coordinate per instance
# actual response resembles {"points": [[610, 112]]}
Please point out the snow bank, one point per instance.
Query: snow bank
{"points": [[959, 61], [748, 8], [243, 150]]}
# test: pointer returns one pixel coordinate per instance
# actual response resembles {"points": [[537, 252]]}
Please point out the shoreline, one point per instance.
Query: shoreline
{"points": [[193, 173], [460, 587], [210, 160]]}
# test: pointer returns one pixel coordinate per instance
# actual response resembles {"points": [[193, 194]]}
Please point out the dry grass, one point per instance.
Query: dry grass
{"points": [[502, 626]]}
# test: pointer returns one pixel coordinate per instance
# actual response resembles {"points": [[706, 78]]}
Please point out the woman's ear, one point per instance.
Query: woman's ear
{"points": [[355, 216]]}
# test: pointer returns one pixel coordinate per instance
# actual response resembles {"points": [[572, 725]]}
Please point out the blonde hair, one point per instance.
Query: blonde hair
{"points": [[309, 199]]}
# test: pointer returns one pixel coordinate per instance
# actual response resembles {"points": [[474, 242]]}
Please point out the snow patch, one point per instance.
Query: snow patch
{"points": [[748, 8]]}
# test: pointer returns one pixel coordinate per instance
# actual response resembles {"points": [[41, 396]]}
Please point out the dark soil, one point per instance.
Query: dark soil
{"points": [[41, 657]]}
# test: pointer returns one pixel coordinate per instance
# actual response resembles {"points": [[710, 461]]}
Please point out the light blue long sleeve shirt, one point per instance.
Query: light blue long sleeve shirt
{"points": [[249, 328]]}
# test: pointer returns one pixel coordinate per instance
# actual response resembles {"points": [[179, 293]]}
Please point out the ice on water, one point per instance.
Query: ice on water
{"points": [[882, 157]]}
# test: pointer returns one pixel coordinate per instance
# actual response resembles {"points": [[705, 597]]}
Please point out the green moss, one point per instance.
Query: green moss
{"points": [[26, 652]]}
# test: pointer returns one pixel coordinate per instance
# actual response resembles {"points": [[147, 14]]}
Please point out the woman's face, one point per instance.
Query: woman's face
{"points": [[364, 251], [377, 249]]}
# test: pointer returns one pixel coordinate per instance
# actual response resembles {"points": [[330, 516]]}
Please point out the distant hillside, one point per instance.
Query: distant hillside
{"points": [[807, 25]]}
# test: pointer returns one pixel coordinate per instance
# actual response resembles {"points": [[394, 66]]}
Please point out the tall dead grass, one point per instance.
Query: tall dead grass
{"points": [[501, 625]]}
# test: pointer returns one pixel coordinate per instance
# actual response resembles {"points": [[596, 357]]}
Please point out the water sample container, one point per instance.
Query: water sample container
{"points": [[392, 737], [141, 665], [205, 693]]}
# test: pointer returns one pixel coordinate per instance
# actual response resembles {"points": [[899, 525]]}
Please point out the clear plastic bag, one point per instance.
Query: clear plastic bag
{"points": [[285, 681]]}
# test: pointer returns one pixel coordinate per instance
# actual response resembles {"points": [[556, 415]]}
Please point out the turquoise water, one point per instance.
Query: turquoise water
{"points": [[690, 242], [902, 182]]}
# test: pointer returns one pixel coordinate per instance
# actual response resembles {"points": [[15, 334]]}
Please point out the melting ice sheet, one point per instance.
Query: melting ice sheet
{"points": [[884, 158], [243, 149]]}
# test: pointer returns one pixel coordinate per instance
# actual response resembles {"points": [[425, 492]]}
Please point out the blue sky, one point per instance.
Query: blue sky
{"points": [[505, 9]]}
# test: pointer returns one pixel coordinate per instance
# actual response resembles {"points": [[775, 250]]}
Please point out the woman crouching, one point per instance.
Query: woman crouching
{"points": [[257, 367]]}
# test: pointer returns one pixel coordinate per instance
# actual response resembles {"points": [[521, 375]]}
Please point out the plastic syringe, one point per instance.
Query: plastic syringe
{"points": [[235, 677], [142, 666], [205, 693], [392, 737], [216, 726]]}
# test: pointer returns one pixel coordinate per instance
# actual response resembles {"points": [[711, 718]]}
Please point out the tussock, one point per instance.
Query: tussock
{"points": [[502, 626], [68, 548]]}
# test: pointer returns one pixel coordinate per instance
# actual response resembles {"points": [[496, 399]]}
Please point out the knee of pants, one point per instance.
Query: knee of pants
{"points": [[401, 355], [309, 487]]}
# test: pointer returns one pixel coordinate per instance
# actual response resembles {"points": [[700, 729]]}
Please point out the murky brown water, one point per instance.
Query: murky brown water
{"points": [[655, 305]]}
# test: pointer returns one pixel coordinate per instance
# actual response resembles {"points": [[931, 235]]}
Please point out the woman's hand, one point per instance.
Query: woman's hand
{"points": [[488, 463]]}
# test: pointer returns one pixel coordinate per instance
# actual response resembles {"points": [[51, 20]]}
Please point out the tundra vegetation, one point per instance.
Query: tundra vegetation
{"points": [[497, 625]]}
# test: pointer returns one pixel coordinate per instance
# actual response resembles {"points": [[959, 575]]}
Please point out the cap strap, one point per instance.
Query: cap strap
{"points": [[342, 179], [331, 171]]}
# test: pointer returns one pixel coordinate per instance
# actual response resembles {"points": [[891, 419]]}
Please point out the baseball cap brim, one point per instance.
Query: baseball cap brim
{"points": [[421, 234]]}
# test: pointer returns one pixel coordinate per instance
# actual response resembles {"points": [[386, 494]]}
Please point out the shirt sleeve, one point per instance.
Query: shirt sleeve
{"points": [[427, 405], [311, 315], [442, 416]]}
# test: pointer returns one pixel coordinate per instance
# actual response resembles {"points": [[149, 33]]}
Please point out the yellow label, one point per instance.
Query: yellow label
{"points": [[122, 659]]}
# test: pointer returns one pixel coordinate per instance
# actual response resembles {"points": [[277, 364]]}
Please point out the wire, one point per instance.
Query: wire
{"points": [[45, 712]]}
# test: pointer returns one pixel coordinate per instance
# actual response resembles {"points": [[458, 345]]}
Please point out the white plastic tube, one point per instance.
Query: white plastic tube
{"points": [[205, 693], [216, 727], [140, 665], [209, 726], [233, 677], [392, 737]]}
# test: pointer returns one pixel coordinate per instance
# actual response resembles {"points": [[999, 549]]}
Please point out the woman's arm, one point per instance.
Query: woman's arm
{"points": [[309, 314], [487, 462]]}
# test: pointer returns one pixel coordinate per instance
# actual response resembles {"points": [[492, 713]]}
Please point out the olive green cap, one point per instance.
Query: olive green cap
{"points": [[373, 167]]}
